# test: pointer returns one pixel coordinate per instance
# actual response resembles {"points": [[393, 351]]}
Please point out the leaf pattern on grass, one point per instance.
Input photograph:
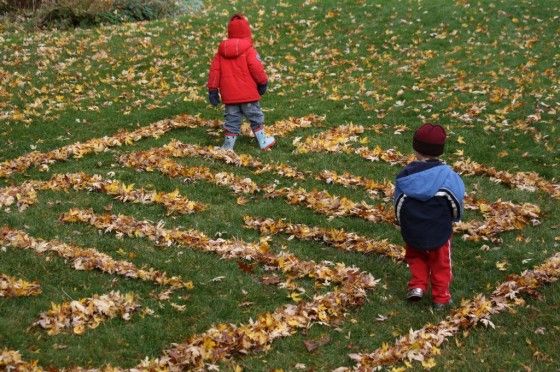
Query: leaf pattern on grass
{"points": [[420, 344], [323, 273], [224, 340]]}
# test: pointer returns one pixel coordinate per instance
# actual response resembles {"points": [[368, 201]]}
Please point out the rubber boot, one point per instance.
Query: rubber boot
{"points": [[229, 141], [265, 142]]}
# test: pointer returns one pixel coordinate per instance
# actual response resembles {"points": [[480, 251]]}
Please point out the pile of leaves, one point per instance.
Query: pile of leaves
{"points": [[14, 287], [499, 216], [11, 360], [87, 312], [284, 127], [347, 179], [337, 139], [22, 196]]}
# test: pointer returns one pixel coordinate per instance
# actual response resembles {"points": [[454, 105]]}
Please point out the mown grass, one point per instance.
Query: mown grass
{"points": [[345, 60]]}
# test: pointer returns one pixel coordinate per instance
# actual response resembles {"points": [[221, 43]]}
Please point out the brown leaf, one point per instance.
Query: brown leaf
{"points": [[312, 345], [270, 279], [248, 268]]}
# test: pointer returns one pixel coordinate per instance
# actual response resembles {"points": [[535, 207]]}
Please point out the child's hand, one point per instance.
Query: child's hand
{"points": [[262, 88], [214, 97]]}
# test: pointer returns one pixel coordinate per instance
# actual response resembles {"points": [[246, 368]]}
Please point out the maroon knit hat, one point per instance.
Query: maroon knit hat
{"points": [[429, 139], [238, 27]]}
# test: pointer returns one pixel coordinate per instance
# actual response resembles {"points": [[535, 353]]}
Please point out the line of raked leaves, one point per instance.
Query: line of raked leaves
{"points": [[499, 216], [179, 149], [97, 145], [157, 129], [147, 161], [25, 194], [340, 140], [89, 258], [338, 238]]}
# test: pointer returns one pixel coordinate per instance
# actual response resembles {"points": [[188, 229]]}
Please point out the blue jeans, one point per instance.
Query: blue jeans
{"points": [[234, 116]]}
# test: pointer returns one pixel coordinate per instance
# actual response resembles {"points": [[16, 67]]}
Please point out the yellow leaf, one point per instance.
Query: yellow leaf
{"points": [[208, 344], [502, 265], [79, 329], [461, 140], [429, 364], [295, 296]]}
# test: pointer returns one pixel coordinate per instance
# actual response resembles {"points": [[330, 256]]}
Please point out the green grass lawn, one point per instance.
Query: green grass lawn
{"points": [[486, 70]]}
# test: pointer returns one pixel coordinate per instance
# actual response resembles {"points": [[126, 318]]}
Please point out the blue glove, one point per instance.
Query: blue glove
{"points": [[214, 97], [262, 88]]}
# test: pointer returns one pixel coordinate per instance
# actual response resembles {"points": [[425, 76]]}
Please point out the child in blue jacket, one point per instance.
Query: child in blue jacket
{"points": [[428, 199]]}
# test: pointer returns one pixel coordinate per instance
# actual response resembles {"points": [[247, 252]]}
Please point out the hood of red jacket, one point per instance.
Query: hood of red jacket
{"points": [[238, 27], [233, 48]]}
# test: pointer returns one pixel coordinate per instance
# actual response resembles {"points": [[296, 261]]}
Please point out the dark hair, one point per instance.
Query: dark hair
{"points": [[237, 16]]}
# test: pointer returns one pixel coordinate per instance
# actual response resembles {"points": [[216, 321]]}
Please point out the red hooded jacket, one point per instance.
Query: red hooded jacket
{"points": [[236, 69]]}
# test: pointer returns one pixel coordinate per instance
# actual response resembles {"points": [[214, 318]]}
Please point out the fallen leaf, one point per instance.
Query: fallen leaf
{"points": [[312, 345], [501, 265], [270, 279]]}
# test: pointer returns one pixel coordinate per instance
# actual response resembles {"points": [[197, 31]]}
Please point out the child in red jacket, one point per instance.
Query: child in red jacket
{"points": [[237, 74]]}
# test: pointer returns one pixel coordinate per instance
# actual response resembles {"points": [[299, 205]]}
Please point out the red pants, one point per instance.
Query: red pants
{"points": [[431, 267]]}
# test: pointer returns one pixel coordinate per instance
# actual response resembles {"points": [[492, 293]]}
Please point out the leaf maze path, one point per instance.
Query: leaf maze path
{"points": [[226, 340]]}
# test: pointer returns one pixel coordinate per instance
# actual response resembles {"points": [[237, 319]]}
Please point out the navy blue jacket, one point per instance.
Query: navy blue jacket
{"points": [[428, 199]]}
